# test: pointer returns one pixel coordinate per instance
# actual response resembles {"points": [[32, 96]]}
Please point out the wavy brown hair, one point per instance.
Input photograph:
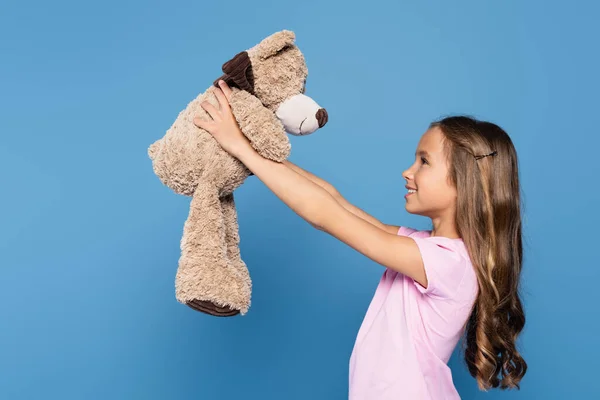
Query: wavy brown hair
{"points": [[488, 219]]}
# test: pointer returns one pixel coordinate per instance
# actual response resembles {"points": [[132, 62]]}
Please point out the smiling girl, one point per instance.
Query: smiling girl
{"points": [[460, 278]]}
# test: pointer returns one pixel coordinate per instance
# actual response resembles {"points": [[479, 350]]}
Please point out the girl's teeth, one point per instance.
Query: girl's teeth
{"points": [[411, 191]]}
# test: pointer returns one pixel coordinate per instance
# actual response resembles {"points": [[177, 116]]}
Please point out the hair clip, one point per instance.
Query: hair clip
{"points": [[493, 153]]}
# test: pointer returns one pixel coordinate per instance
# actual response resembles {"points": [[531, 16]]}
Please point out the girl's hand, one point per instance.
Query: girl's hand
{"points": [[223, 127]]}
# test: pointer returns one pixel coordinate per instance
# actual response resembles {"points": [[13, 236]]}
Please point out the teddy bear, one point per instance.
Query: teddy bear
{"points": [[268, 100]]}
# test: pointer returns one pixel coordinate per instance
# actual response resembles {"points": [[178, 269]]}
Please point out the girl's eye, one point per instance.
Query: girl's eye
{"points": [[423, 160]]}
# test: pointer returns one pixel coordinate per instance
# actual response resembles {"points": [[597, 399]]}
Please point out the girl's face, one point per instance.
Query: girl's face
{"points": [[435, 196]]}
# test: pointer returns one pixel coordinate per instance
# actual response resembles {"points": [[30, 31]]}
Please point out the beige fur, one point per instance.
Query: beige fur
{"points": [[211, 276]]}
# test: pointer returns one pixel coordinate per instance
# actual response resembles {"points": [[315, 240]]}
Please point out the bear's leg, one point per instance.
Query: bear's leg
{"points": [[205, 280], [232, 239]]}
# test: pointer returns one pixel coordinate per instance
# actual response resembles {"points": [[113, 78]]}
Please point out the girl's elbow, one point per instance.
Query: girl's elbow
{"points": [[320, 211], [317, 227]]}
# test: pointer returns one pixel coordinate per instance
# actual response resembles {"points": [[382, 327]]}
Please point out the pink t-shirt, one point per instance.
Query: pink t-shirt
{"points": [[409, 333]]}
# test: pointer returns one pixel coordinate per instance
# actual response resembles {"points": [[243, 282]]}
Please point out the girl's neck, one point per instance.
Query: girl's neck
{"points": [[444, 229]]}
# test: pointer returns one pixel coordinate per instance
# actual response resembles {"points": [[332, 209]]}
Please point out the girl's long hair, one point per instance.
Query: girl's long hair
{"points": [[488, 219]]}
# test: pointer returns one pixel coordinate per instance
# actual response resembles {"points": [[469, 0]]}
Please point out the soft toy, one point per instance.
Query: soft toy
{"points": [[268, 83]]}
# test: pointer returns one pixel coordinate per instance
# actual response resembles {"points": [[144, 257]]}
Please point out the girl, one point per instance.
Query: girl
{"points": [[460, 277]]}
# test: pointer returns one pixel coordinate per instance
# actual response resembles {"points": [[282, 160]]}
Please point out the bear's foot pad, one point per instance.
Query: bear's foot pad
{"points": [[211, 308]]}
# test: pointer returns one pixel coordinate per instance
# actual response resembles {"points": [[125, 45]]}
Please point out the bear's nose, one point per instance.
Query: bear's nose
{"points": [[322, 117]]}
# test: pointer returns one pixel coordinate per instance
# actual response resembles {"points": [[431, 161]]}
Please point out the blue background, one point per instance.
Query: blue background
{"points": [[89, 237]]}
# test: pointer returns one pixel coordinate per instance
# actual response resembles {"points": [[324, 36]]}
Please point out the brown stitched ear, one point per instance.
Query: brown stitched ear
{"points": [[238, 72]]}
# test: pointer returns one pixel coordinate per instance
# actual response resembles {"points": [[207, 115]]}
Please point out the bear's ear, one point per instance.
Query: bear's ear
{"points": [[238, 73], [275, 43]]}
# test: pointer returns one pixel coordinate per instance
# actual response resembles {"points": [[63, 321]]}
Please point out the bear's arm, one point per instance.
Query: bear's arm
{"points": [[260, 126]]}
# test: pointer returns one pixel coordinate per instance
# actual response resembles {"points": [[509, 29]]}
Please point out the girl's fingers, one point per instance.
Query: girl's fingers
{"points": [[226, 89], [200, 123], [211, 110], [223, 102]]}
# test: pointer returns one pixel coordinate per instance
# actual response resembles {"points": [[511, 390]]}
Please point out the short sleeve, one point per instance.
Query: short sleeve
{"points": [[444, 265]]}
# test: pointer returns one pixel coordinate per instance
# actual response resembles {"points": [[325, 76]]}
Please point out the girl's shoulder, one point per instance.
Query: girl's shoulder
{"points": [[408, 231], [448, 243]]}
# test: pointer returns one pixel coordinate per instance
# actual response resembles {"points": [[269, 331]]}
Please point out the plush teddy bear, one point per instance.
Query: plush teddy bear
{"points": [[268, 82]]}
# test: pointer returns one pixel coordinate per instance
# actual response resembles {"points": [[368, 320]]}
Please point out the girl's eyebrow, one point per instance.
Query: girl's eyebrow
{"points": [[422, 153]]}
